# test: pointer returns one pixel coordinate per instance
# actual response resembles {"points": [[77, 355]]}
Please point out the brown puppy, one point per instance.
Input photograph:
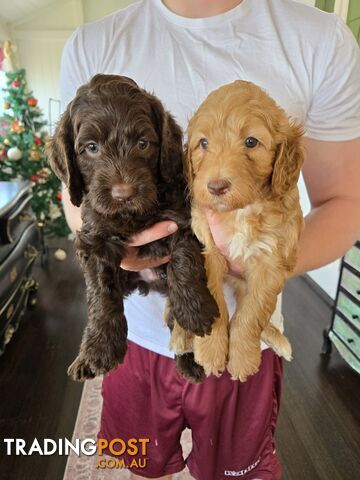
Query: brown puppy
{"points": [[244, 160], [120, 155]]}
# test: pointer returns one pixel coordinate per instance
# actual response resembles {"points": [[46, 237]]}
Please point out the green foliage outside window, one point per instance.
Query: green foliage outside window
{"points": [[353, 19], [326, 5]]}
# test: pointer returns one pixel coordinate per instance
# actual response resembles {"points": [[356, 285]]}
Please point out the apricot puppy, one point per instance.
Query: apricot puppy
{"points": [[244, 159]]}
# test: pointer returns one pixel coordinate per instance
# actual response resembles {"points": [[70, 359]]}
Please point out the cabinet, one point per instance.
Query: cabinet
{"points": [[344, 331], [20, 244]]}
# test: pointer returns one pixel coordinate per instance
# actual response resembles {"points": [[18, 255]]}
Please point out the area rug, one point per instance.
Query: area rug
{"points": [[83, 467]]}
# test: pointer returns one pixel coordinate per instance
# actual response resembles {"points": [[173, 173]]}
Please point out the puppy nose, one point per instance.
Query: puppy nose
{"points": [[218, 187], [123, 191]]}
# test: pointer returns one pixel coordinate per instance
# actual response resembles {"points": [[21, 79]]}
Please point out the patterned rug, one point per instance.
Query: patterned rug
{"points": [[87, 424]]}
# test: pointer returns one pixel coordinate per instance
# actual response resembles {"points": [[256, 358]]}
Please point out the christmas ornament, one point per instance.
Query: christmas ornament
{"points": [[32, 102], [58, 196], [6, 105], [38, 140], [16, 83], [54, 211], [17, 126], [14, 153], [7, 141], [60, 255], [35, 154], [3, 153], [44, 172], [34, 178]]}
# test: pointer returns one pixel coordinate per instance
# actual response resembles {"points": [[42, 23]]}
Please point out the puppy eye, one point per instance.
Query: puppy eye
{"points": [[204, 143], [143, 144], [92, 147], [251, 142]]}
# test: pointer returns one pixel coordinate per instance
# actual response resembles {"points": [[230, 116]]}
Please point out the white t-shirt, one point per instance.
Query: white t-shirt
{"points": [[307, 60]]}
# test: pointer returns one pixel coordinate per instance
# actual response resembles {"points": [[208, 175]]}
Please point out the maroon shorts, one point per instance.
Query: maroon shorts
{"points": [[232, 423]]}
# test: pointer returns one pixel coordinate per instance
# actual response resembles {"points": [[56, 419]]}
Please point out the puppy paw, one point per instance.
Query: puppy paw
{"points": [[204, 319], [283, 349], [189, 369], [80, 370], [95, 360], [197, 315], [199, 325], [277, 341], [243, 362], [212, 351], [103, 359]]}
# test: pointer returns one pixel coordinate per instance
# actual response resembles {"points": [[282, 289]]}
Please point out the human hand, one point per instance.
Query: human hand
{"points": [[145, 265], [221, 240]]}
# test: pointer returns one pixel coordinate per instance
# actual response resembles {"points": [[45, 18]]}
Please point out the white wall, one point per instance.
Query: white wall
{"points": [[40, 38], [4, 32]]}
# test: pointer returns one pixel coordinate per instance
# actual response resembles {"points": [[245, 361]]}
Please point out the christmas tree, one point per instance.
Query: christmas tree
{"points": [[22, 155]]}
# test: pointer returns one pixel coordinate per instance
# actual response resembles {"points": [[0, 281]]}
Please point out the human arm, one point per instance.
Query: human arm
{"points": [[332, 176]]}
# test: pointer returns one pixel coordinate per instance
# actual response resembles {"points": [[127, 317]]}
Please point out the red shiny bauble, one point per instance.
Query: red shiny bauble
{"points": [[32, 102], [38, 140], [59, 196], [16, 83]]}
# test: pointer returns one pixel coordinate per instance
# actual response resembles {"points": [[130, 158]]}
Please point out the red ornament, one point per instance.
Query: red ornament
{"points": [[59, 196], [38, 140], [3, 153], [32, 102], [34, 178], [16, 83]]}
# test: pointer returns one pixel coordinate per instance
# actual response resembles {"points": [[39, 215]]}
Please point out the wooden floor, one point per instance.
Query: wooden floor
{"points": [[318, 435], [37, 399]]}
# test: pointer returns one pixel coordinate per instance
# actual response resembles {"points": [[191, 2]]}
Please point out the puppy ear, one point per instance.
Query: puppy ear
{"points": [[171, 150], [188, 167], [289, 160], [172, 155], [62, 158]]}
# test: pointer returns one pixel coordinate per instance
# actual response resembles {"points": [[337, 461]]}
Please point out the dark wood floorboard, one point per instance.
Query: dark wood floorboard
{"points": [[37, 399], [318, 436]]}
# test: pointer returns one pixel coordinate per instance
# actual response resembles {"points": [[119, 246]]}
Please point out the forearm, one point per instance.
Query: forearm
{"points": [[329, 232]]}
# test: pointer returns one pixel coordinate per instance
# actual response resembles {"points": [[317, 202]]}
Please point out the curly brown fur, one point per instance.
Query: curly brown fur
{"points": [[120, 155]]}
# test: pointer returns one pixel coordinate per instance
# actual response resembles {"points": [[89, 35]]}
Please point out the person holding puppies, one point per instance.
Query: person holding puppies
{"points": [[181, 50]]}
